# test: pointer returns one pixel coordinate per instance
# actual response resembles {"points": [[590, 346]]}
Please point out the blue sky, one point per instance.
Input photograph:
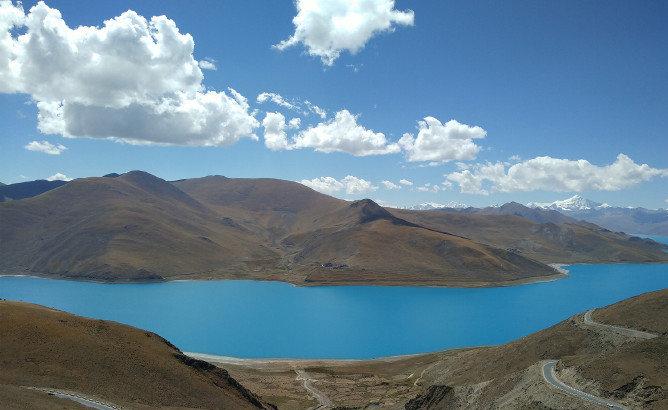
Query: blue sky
{"points": [[559, 80]]}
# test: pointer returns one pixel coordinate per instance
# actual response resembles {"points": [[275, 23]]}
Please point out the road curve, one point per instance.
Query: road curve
{"points": [[76, 397], [550, 377], [616, 329], [323, 401]]}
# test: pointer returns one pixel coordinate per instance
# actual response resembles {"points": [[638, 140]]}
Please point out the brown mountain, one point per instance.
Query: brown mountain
{"points": [[543, 235], [116, 364], [139, 227]]}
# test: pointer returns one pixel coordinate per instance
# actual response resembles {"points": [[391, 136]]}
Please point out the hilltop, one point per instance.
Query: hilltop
{"points": [[138, 227]]}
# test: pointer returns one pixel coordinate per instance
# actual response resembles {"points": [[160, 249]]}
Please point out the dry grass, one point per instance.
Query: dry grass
{"points": [[105, 360]]}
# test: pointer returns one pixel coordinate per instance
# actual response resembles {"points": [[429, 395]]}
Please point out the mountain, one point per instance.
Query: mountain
{"points": [[105, 361], [631, 220], [574, 203], [332, 241], [28, 189], [427, 206], [513, 208], [543, 235], [138, 227]]}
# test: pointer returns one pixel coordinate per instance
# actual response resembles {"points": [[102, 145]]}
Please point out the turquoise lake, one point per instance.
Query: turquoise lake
{"points": [[252, 319]]}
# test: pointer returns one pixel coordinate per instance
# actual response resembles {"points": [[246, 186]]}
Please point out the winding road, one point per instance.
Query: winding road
{"points": [[616, 329], [550, 376], [323, 401]]}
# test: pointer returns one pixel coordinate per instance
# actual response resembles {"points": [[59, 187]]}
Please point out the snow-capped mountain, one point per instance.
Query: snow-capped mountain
{"points": [[627, 219], [574, 203], [428, 206]]}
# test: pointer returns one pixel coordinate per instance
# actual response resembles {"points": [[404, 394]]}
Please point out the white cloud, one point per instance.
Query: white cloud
{"points": [[406, 182], [295, 123], [438, 143], [59, 177], [344, 134], [390, 185], [351, 185], [208, 64], [275, 137], [45, 147], [132, 80], [428, 187], [553, 174], [315, 109], [326, 28], [278, 100], [304, 107]]}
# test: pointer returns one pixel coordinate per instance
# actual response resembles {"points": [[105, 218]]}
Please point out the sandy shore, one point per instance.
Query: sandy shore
{"points": [[291, 364]]}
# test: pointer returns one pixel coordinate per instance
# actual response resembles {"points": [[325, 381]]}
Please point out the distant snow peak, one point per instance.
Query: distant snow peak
{"points": [[574, 203], [427, 206]]}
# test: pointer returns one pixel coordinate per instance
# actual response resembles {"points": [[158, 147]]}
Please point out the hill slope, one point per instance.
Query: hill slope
{"points": [[114, 363], [631, 371], [543, 235], [27, 189]]}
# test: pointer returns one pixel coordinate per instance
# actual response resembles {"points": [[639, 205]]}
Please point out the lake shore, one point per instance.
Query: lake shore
{"points": [[305, 282]]}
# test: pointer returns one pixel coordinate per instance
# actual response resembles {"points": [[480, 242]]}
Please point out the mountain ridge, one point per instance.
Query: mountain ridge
{"points": [[633, 220], [138, 227]]}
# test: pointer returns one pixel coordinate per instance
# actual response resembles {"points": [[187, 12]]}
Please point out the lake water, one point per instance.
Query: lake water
{"points": [[253, 319]]}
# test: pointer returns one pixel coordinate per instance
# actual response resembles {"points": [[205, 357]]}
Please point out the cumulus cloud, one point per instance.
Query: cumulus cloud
{"points": [[438, 143], [59, 177], [132, 79], [553, 174], [295, 123], [45, 147], [275, 137], [351, 185], [327, 28], [405, 182], [344, 134], [390, 185]]}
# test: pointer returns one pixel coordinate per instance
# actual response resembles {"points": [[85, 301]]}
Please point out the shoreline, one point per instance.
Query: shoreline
{"points": [[560, 269], [560, 274]]}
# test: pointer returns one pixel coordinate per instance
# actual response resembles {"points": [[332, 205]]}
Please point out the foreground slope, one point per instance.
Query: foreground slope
{"points": [[592, 359], [104, 361]]}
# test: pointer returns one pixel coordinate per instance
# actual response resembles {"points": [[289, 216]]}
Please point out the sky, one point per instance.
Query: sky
{"points": [[403, 102]]}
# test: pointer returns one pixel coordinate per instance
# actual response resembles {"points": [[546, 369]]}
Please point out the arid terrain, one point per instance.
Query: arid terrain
{"points": [[629, 370], [138, 227], [44, 350]]}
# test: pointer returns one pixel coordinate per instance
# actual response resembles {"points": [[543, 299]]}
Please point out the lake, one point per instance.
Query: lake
{"points": [[254, 319]]}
